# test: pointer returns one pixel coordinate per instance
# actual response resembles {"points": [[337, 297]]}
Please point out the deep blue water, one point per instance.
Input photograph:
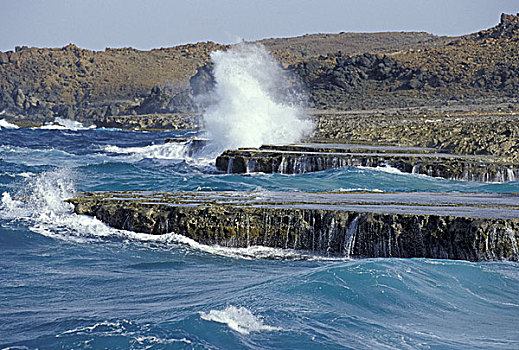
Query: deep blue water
{"points": [[71, 282]]}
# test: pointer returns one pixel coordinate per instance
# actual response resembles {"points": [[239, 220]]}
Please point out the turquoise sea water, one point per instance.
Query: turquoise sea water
{"points": [[70, 282]]}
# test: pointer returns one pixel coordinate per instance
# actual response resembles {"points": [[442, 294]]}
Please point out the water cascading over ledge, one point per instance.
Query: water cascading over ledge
{"points": [[304, 158], [471, 227]]}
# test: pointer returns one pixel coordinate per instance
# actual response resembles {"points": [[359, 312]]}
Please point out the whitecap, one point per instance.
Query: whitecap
{"points": [[6, 125], [65, 124], [171, 150], [246, 253], [239, 319]]}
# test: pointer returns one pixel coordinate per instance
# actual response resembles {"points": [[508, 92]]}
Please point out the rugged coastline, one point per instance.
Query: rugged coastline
{"points": [[473, 227], [304, 158], [442, 107]]}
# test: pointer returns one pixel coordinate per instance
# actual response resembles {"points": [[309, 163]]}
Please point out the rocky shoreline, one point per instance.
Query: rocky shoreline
{"points": [[304, 158], [473, 227]]}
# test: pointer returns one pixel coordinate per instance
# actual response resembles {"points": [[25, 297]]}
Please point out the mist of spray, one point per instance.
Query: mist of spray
{"points": [[252, 102]]}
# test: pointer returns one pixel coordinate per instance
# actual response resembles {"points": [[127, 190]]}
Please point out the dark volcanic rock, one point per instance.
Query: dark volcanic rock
{"points": [[156, 101], [203, 81], [164, 99], [472, 227], [347, 73], [308, 158], [4, 59]]}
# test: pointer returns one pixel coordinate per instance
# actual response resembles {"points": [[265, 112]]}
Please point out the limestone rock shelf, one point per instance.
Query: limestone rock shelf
{"points": [[296, 159], [476, 227]]}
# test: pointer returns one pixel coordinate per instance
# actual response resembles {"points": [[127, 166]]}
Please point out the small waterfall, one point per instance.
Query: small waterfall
{"points": [[283, 166], [331, 235], [513, 242], [251, 166], [288, 230], [229, 165], [511, 175], [416, 169], [491, 238], [350, 237]]}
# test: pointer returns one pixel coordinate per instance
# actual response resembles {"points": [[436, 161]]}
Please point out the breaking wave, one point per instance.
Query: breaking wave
{"points": [[239, 319], [253, 103], [66, 124], [163, 151], [42, 204], [6, 125]]}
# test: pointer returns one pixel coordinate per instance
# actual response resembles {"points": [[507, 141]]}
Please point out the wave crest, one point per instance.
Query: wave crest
{"points": [[239, 319]]}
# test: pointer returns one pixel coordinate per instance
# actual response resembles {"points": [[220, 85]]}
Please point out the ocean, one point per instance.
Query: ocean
{"points": [[70, 282]]}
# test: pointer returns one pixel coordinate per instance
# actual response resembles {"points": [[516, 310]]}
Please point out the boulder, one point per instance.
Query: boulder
{"points": [[203, 81], [19, 98], [3, 58]]}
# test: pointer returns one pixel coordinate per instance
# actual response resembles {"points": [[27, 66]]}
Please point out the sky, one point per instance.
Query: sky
{"points": [[146, 24]]}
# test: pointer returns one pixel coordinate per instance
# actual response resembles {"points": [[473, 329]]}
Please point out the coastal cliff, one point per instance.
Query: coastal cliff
{"points": [[432, 225], [297, 159]]}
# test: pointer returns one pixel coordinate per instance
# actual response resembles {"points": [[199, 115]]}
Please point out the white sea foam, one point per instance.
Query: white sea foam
{"points": [[239, 319], [248, 253], [170, 150], [386, 169], [391, 170], [65, 124], [42, 205], [6, 125], [359, 189], [252, 102]]}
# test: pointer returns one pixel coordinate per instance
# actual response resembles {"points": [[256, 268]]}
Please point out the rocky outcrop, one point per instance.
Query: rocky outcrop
{"points": [[433, 225], [165, 99], [298, 159], [482, 65], [494, 134], [508, 27], [149, 122], [349, 72]]}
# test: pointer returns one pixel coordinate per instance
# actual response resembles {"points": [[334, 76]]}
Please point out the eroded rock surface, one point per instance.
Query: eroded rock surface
{"points": [[296, 159], [474, 227]]}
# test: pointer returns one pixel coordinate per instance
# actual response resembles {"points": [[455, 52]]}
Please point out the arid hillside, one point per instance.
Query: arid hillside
{"points": [[73, 75], [483, 65], [312, 45], [346, 71]]}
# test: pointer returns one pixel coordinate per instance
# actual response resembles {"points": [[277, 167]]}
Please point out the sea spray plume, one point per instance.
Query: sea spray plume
{"points": [[252, 101]]}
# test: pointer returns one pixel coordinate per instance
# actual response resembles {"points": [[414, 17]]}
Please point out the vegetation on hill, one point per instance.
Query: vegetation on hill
{"points": [[339, 71]]}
